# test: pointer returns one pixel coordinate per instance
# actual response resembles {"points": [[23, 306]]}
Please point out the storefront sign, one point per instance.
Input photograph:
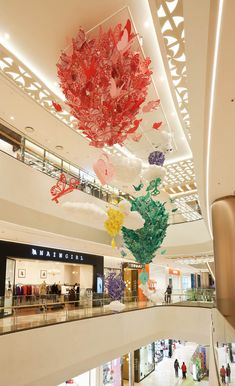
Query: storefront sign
{"points": [[57, 255], [133, 265], [173, 271]]}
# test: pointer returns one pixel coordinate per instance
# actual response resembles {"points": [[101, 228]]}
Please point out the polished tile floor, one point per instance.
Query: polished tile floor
{"points": [[164, 374]]}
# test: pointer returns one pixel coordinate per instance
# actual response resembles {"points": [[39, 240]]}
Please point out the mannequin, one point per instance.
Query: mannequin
{"points": [[43, 289]]}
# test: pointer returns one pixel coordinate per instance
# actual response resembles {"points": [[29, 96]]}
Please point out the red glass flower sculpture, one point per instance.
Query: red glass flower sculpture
{"points": [[105, 81]]}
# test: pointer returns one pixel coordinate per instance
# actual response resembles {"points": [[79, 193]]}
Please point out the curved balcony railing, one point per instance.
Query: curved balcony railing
{"points": [[32, 311], [35, 156]]}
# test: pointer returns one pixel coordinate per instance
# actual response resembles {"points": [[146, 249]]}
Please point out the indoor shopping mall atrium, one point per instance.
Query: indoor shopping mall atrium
{"points": [[117, 211]]}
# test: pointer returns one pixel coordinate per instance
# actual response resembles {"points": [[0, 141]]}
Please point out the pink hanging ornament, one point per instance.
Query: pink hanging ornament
{"points": [[104, 169]]}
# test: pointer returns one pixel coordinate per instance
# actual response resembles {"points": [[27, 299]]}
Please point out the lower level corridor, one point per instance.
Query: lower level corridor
{"points": [[224, 359], [164, 372]]}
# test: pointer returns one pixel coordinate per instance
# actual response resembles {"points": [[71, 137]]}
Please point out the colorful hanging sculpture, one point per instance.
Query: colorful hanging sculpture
{"points": [[153, 187], [104, 169], [144, 277], [105, 81], [114, 223], [156, 158], [115, 286], [143, 243], [63, 187]]}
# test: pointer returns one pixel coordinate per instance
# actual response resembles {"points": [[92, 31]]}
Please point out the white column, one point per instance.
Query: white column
{"points": [[98, 377]]}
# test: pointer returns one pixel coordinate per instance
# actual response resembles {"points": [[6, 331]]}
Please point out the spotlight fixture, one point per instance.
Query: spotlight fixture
{"points": [[59, 147], [29, 129]]}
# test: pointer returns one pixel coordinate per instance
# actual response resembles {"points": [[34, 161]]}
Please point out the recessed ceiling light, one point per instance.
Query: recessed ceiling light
{"points": [[146, 24], [6, 36], [29, 129], [12, 118], [59, 147]]}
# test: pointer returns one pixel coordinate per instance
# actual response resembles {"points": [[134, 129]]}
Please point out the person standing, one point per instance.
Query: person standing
{"points": [[78, 295], [222, 374], [228, 373], [184, 370], [168, 294], [176, 367]]}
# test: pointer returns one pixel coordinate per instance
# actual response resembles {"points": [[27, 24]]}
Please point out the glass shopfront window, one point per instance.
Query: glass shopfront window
{"points": [[112, 373], [9, 285], [146, 360]]}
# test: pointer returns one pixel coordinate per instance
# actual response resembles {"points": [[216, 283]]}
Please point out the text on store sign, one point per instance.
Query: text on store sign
{"points": [[60, 255]]}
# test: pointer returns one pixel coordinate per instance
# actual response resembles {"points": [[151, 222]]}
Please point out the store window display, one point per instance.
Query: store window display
{"points": [[164, 348], [112, 373], [144, 363], [9, 285]]}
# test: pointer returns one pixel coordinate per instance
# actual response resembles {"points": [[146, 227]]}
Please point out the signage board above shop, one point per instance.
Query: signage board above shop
{"points": [[132, 265], [173, 271], [26, 251]]}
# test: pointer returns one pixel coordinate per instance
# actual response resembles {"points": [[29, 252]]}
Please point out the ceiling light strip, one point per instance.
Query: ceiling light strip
{"points": [[211, 109]]}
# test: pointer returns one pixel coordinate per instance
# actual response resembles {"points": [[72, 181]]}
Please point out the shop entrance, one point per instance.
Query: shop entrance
{"points": [[56, 281], [131, 276], [32, 273]]}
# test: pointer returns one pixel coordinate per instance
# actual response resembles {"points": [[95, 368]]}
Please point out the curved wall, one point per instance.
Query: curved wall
{"points": [[223, 221]]}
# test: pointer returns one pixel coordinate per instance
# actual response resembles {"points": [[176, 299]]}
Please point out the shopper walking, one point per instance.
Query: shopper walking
{"points": [[184, 370], [228, 373], [168, 294], [176, 367], [222, 374]]}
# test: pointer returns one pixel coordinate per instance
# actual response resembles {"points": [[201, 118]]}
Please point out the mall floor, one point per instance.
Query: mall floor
{"points": [[164, 371]]}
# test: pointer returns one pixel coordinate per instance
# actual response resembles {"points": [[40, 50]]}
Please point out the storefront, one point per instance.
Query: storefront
{"points": [[163, 348], [112, 373], [195, 280], [25, 269], [174, 277], [143, 363], [131, 272]]}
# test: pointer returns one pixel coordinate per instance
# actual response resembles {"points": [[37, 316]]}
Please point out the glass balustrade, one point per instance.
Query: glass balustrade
{"points": [[36, 311]]}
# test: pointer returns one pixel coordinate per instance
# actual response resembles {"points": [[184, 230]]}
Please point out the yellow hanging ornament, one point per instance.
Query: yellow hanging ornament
{"points": [[114, 223]]}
